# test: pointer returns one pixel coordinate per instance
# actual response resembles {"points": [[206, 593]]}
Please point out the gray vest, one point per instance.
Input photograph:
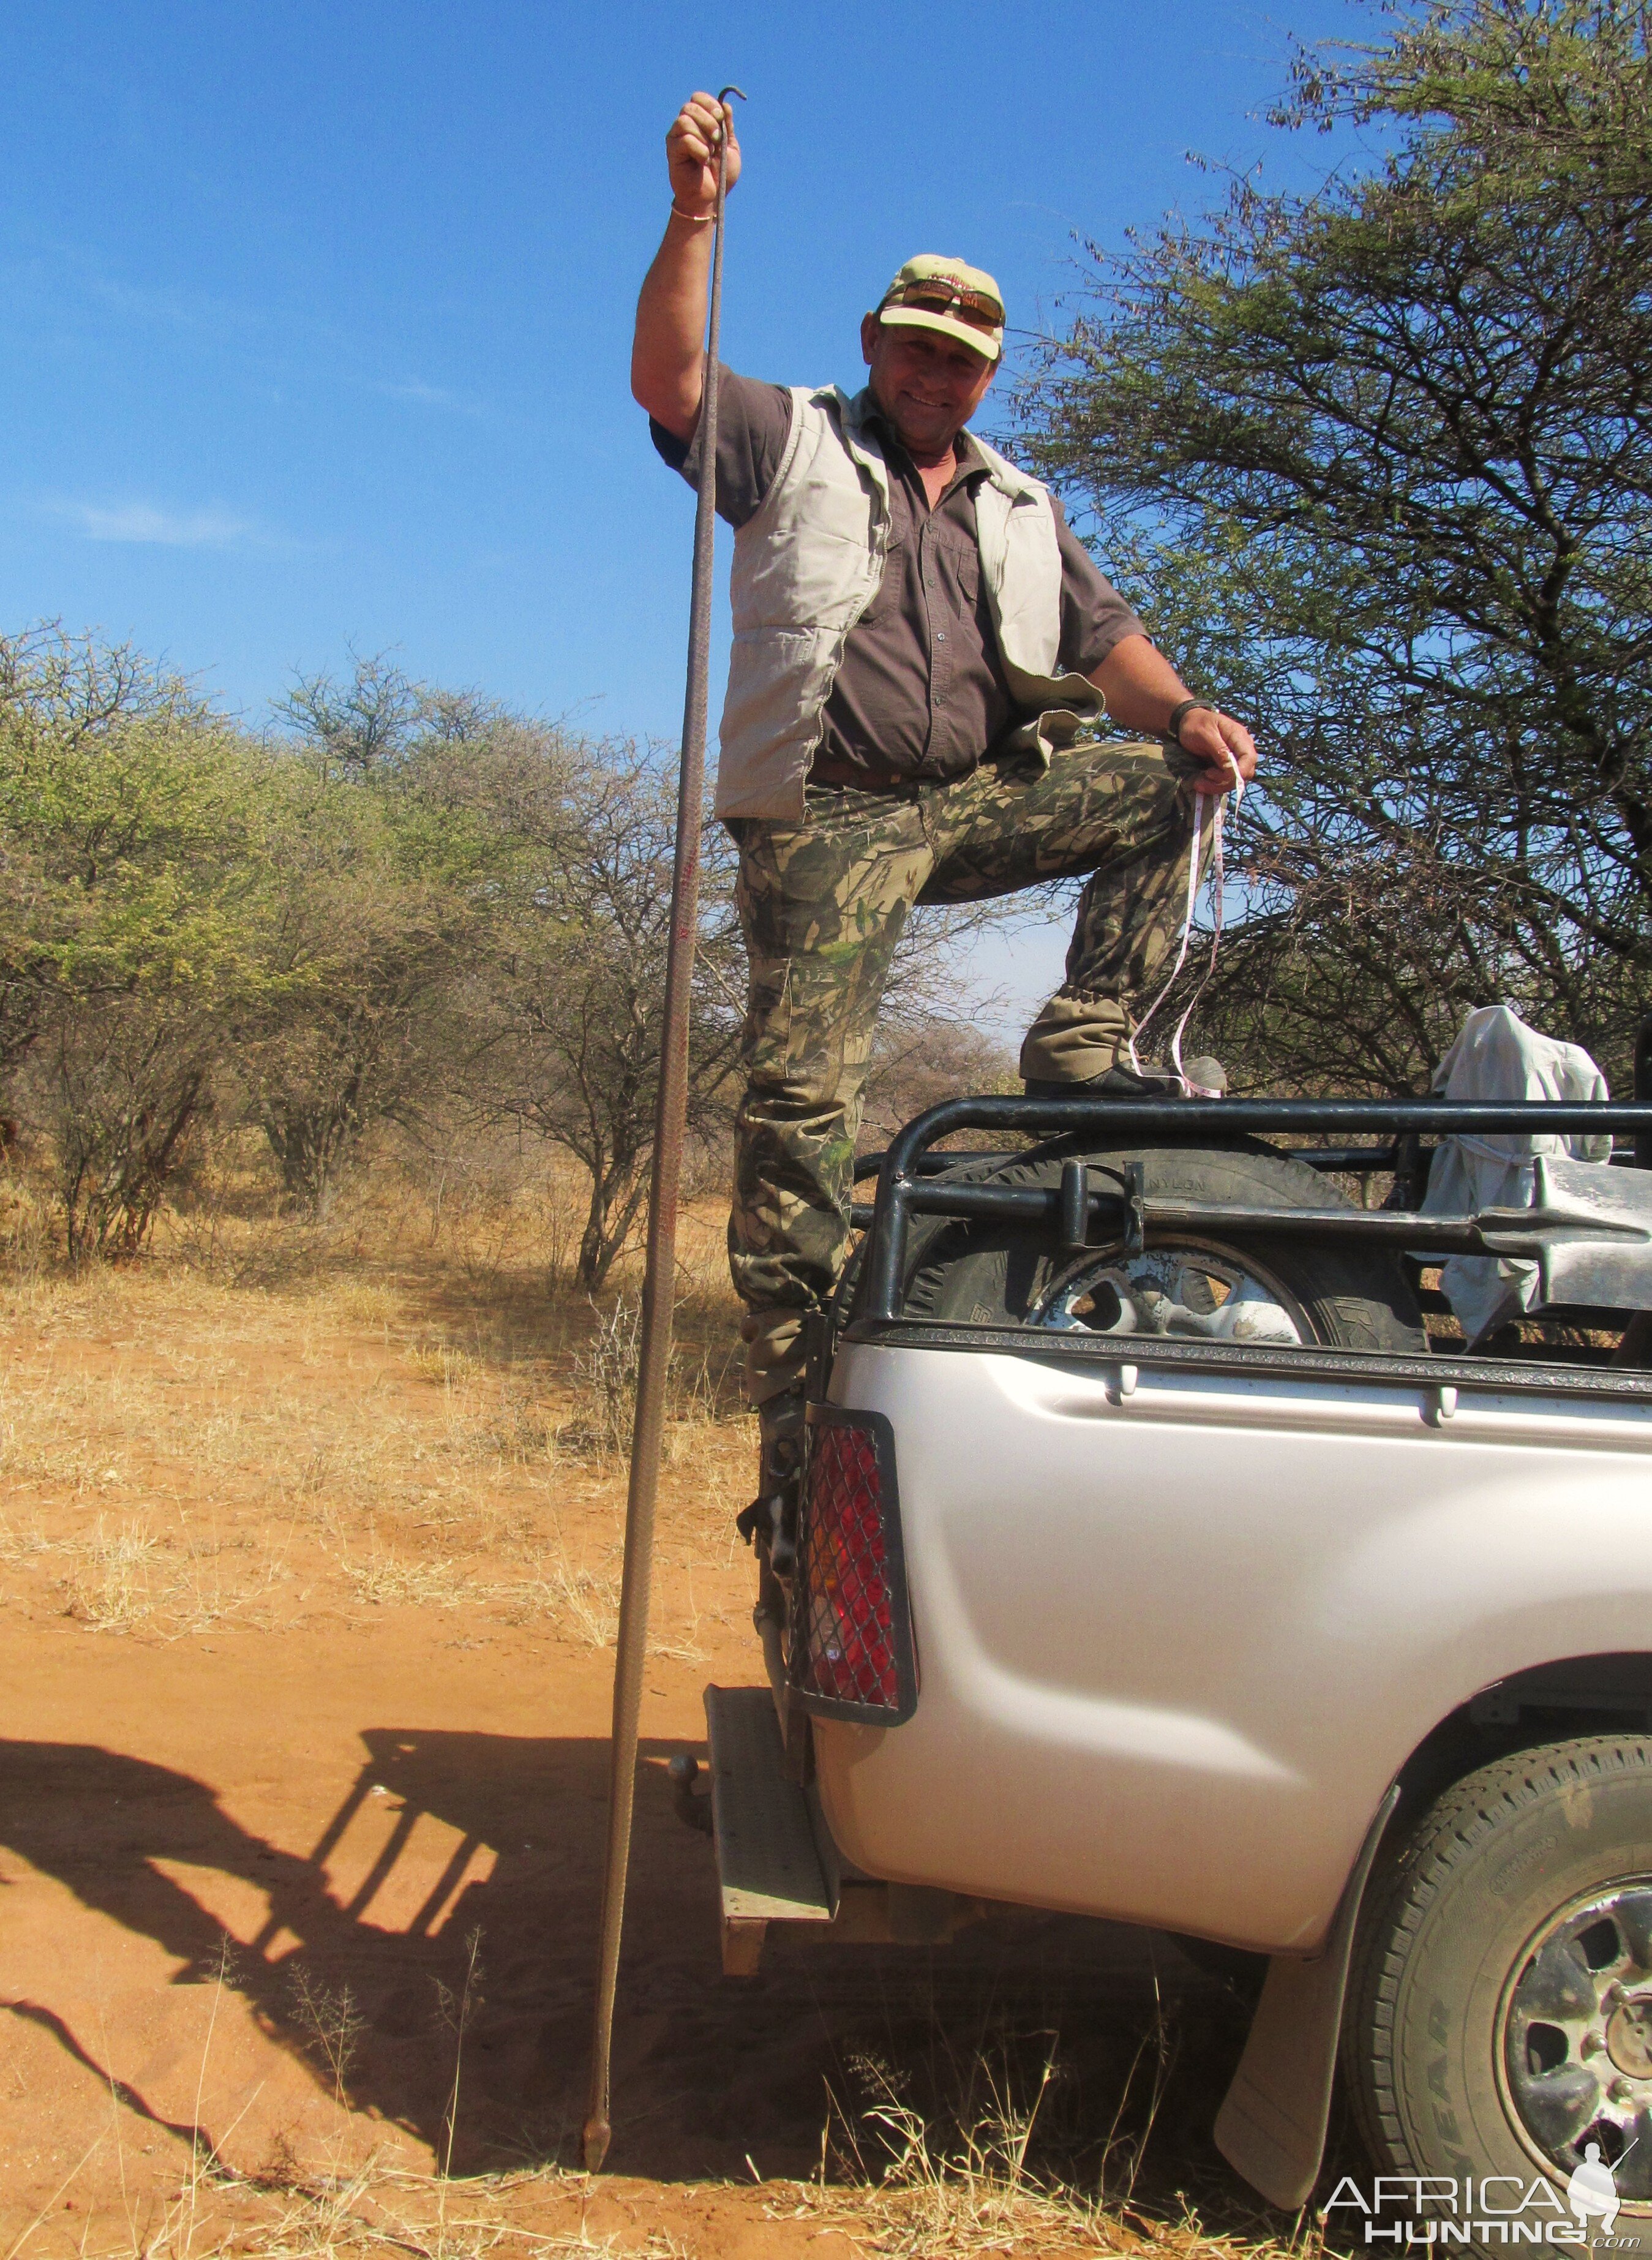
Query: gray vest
{"points": [[808, 563]]}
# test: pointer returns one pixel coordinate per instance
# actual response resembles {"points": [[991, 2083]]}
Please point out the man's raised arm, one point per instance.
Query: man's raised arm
{"points": [[668, 352]]}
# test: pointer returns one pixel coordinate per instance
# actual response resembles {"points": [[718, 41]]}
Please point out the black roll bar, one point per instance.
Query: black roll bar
{"points": [[907, 1185]]}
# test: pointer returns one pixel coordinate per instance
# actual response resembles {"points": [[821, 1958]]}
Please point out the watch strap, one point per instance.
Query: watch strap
{"points": [[1179, 714]]}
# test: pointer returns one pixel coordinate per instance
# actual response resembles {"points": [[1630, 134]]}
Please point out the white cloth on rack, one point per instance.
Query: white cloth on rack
{"points": [[1496, 1056]]}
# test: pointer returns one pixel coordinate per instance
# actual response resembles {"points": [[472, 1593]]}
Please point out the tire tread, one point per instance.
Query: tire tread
{"points": [[1409, 1885]]}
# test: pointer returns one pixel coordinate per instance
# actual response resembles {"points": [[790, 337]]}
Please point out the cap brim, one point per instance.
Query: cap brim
{"points": [[988, 344]]}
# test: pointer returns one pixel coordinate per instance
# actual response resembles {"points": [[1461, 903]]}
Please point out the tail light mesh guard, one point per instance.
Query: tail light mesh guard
{"points": [[852, 1642]]}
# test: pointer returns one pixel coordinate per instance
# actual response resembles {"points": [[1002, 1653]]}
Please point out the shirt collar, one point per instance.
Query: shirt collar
{"points": [[868, 417]]}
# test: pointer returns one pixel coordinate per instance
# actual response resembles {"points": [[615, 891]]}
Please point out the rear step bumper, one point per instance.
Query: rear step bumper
{"points": [[776, 1862], [767, 1857]]}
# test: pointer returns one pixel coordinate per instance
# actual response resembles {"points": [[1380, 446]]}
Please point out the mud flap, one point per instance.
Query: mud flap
{"points": [[1271, 2127]]}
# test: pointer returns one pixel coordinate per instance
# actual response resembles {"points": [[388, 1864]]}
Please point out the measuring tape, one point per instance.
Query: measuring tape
{"points": [[1189, 1088]]}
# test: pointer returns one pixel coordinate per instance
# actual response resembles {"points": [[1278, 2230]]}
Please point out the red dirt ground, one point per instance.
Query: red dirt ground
{"points": [[218, 1817]]}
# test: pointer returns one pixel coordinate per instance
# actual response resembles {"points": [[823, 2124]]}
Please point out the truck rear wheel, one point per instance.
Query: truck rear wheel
{"points": [[1243, 1288], [1499, 2016]]}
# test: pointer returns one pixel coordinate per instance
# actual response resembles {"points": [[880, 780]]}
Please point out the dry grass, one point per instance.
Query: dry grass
{"points": [[974, 2194], [587, 1598], [368, 2208], [326, 1422], [110, 1587], [978, 2199], [388, 1581], [264, 1426], [440, 1362], [977, 2134]]}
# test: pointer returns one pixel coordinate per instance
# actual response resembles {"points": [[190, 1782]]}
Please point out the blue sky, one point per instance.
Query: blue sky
{"points": [[318, 318]]}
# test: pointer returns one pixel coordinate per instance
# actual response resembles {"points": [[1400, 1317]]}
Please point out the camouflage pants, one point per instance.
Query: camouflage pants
{"points": [[823, 904]]}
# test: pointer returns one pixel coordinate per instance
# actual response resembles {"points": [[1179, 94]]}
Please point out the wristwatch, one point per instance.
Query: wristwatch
{"points": [[1179, 714]]}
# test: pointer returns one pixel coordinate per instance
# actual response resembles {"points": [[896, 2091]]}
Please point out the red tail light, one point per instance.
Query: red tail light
{"points": [[852, 1649]]}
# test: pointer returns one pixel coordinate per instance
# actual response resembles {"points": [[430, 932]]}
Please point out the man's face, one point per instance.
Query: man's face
{"points": [[927, 385]]}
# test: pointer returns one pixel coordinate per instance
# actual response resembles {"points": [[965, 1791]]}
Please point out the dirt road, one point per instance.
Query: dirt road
{"points": [[277, 1877]]}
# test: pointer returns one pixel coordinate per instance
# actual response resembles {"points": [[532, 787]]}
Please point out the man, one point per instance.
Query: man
{"points": [[923, 655]]}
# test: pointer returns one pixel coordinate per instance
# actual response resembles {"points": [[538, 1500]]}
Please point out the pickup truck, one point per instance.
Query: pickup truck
{"points": [[1157, 1559]]}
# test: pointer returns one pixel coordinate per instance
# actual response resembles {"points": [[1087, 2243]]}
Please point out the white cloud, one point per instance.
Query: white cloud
{"points": [[281, 344], [414, 388], [211, 528], [421, 395]]}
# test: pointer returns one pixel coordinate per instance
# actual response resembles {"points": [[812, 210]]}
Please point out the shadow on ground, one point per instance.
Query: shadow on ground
{"points": [[709, 2072]]}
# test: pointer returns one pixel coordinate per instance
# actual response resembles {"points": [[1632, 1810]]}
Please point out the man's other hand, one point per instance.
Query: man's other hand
{"points": [[691, 152], [1225, 746]]}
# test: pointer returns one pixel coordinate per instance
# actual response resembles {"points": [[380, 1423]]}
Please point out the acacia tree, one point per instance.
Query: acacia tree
{"points": [[1382, 458], [576, 993], [134, 918], [402, 824]]}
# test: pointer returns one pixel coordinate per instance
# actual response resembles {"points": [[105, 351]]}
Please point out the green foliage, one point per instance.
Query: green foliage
{"points": [[140, 816], [1381, 459], [135, 912], [405, 907], [394, 861]]}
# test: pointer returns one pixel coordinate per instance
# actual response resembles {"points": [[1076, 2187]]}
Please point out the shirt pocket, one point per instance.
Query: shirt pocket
{"points": [[954, 565], [886, 597]]}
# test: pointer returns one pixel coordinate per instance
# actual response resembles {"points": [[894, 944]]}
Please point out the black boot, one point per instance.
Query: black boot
{"points": [[1115, 1083], [1120, 1082], [772, 1516]]}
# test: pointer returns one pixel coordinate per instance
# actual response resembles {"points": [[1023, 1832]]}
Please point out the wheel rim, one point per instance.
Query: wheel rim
{"points": [[1194, 1289], [1576, 2046]]}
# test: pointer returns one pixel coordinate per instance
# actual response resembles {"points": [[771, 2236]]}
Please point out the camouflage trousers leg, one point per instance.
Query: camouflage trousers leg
{"points": [[1123, 812], [823, 904]]}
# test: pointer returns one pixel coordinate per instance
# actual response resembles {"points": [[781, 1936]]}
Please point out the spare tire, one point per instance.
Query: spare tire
{"points": [[1244, 1287]]}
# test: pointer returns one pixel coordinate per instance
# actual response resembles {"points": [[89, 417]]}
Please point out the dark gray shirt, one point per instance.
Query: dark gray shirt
{"points": [[920, 694]]}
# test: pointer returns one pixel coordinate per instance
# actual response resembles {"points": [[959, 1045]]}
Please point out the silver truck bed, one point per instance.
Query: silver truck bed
{"points": [[1176, 1631]]}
